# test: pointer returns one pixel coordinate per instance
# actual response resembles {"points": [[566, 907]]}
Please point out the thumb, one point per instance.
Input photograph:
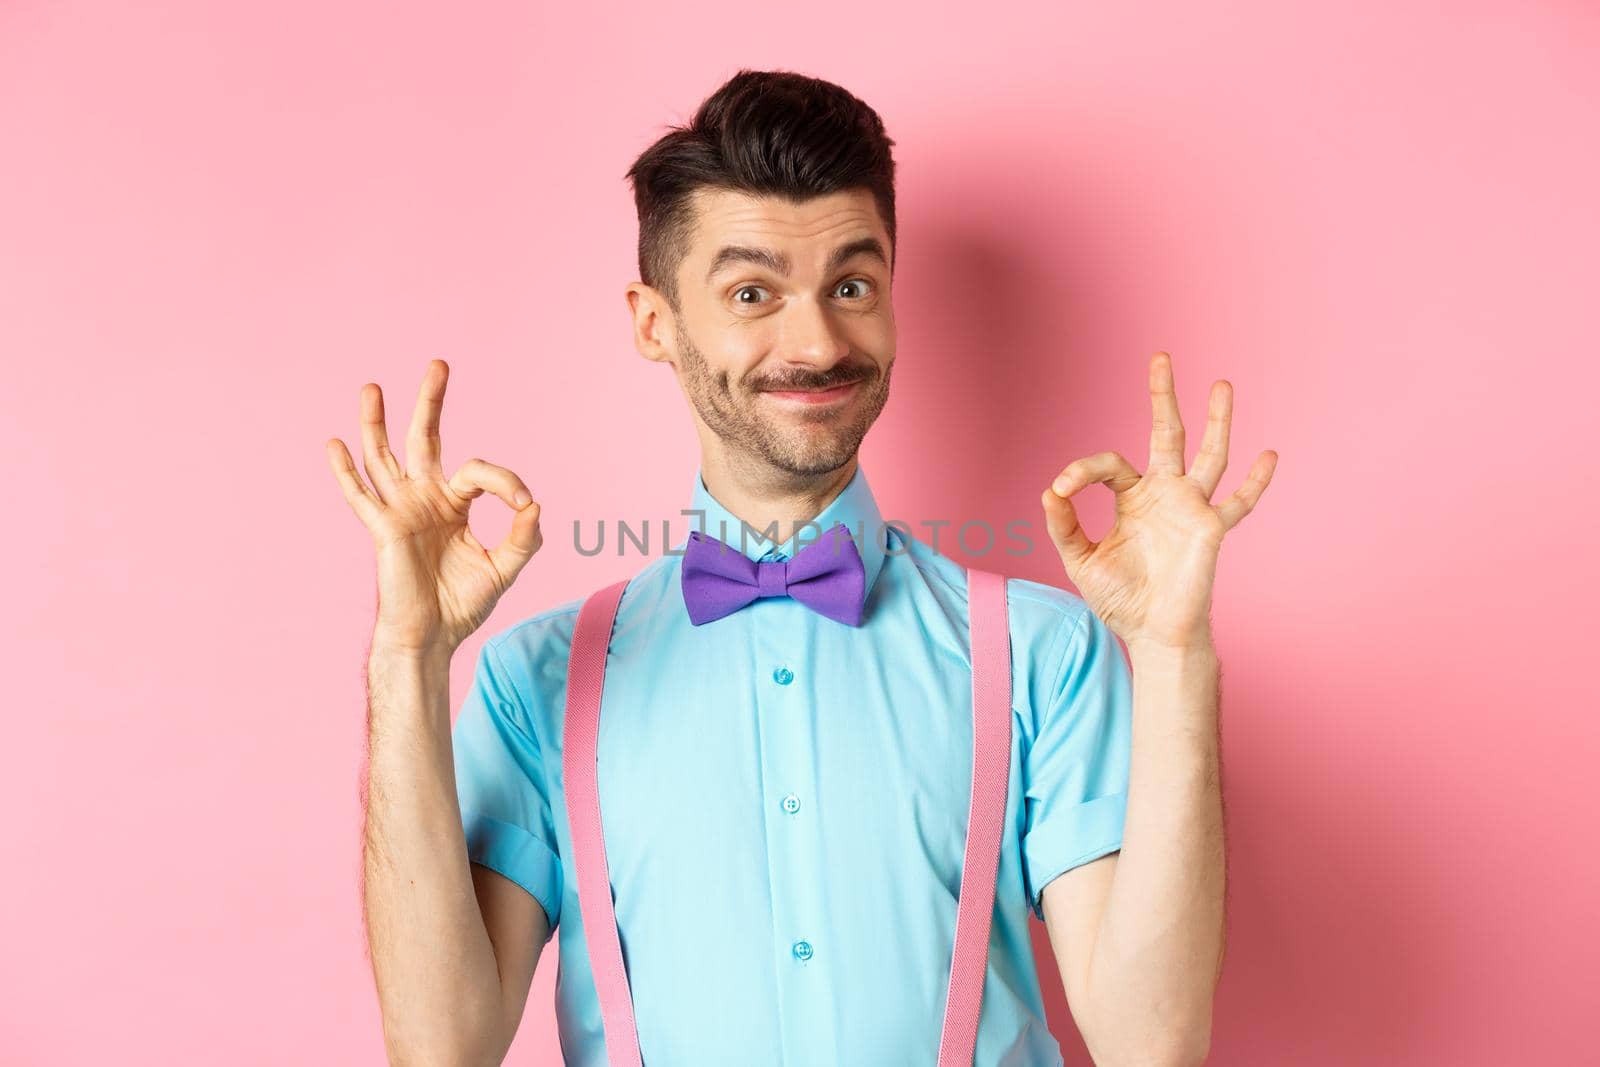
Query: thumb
{"points": [[524, 539], [1061, 519]]}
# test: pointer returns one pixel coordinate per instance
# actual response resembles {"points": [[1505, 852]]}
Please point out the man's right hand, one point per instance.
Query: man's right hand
{"points": [[436, 582]]}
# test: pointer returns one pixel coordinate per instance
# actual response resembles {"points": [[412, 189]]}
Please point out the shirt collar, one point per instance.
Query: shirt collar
{"points": [[854, 506]]}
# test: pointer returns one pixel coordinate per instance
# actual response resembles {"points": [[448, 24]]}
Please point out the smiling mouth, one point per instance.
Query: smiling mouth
{"points": [[815, 396]]}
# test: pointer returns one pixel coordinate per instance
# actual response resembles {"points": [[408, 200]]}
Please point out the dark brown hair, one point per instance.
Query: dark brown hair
{"points": [[765, 132]]}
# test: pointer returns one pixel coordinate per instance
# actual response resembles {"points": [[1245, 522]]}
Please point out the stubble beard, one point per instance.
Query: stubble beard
{"points": [[828, 440]]}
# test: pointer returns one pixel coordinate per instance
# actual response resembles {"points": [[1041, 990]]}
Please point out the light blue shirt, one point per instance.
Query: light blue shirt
{"points": [[785, 802]]}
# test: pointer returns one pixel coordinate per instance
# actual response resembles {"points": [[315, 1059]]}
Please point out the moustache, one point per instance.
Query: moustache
{"points": [[813, 383]]}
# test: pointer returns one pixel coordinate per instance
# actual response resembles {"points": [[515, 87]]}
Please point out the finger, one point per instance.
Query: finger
{"points": [[361, 499], [473, 479], [1212, 459], [524, 539], [1244, 498], [422, 440], [382, 467], [1061, 520], [1166, 427], [1109, 467], [477, 476]]}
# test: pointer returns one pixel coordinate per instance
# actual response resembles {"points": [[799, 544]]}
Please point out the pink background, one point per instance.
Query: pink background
{"points": [[1378, 222]]}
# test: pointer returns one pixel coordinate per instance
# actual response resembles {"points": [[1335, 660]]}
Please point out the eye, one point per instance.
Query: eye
{"points": [[859, 284], [737, 294]]}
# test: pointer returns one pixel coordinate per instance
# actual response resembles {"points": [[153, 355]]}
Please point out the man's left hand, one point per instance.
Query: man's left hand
{"points": [[1150, 578]]}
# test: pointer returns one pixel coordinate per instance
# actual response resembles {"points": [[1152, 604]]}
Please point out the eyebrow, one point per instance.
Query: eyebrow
{"points": [[779, 263]]}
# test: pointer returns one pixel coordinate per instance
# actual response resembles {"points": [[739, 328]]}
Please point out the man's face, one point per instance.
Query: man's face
{"points": [[785, 337]]}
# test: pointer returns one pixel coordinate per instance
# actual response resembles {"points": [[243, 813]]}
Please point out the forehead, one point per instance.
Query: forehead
{"points": [[805, 232]]}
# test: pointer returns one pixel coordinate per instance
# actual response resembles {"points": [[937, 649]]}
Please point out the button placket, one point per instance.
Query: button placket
{"points": [[789, 772]]}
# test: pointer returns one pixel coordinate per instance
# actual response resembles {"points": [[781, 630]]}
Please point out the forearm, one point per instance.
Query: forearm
{"points": [[438, 982], [1158, 952]]}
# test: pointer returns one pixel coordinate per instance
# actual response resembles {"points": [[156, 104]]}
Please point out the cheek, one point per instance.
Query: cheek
{"points": [[873, 336], [735, 355]]}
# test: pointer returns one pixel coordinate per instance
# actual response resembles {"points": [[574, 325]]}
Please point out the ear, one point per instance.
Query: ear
{"points": [[653, 324]]}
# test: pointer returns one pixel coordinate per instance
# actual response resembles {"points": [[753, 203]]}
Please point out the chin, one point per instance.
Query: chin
{"points": [[810, 458]]}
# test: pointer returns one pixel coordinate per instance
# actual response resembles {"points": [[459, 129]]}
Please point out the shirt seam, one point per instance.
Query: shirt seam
{"points": [[523, 724], [1066, 651]]}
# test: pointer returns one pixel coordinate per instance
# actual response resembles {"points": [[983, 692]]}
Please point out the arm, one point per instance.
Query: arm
{"points": [[1139, 936], [453, 949], [1142, 936], [454, 945]]}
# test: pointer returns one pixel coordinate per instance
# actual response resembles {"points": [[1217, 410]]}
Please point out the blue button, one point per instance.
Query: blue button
{"points": [[783, 676], [802, 950], [791, 803]]}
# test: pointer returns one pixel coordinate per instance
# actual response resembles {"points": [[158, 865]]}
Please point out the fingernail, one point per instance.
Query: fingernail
{"points": [[522, 498], [1059, 487]]}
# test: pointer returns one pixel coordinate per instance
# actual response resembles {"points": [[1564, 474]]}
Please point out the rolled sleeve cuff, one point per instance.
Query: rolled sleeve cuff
{"points": [[1070, 837], [520, 856]]}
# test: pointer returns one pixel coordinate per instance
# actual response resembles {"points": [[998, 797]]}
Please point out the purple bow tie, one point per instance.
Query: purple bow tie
{"points": [[826, 576]]}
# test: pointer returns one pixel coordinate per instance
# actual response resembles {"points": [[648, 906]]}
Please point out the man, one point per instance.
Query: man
{"points": [[785, 792]]}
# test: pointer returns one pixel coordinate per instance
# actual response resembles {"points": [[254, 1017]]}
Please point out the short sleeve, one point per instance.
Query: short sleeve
{"points": [[1076, 769], [501, 785]]}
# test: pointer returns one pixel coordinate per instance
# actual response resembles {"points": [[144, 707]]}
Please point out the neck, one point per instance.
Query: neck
{"points": [[758, 494]]}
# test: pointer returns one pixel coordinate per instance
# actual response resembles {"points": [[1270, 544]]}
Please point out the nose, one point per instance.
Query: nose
{"points": [[811, 337]]}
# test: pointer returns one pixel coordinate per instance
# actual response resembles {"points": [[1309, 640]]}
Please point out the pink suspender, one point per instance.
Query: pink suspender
{"points": [[991, 766], [586, 673]]}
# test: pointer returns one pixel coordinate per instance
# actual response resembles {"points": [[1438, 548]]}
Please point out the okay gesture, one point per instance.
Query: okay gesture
{"points": [[1149, 580]]}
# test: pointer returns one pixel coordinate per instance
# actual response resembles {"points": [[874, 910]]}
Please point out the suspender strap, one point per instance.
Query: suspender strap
{"points": [[991, 768], [586, 672]]}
